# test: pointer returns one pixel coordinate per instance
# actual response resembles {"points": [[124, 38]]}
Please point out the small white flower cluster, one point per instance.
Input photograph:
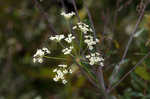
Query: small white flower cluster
{"points": [[67, 50], [57, 37], [61, 72], [89, 40], [83, 27], [38, 56], [67, 15], [95, 58], [69, 38]]}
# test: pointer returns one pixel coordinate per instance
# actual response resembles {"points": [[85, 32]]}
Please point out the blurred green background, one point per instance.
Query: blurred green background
{"points": [[23, 30]]}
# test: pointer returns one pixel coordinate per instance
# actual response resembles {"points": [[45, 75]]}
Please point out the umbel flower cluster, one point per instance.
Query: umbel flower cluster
{"points": [[38, 56], [86, 49], [60, 72]]}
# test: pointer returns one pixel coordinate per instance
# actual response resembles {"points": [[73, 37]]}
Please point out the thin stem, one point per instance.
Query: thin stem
{"points": [[128, 73], [55, 58], [89, 72], [75, 7], [84, 51], [91, 21], [86, 75], [101, 82], [69, 26], [100, 78], [130, 40], [132, 34], [81, 35]]}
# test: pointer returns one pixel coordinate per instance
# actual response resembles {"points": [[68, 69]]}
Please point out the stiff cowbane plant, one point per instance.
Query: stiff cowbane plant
{"points": [[67, 42], [82, 46]]}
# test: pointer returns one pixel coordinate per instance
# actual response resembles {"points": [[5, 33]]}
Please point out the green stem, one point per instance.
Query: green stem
{"points": [[80, 43], [55, 58], [88, 72], [68, 25]]}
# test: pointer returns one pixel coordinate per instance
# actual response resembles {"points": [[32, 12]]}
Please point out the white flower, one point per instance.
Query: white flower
{"points": [[67, 50], [39, 53], [38, 56], [91, 47], [70, 71], [56, 79], [65, 71], [67, 15], [64, 81], [38, 97], [40, 60], [84, 27], [102, 64], [55, 70], [88, 56], [69, 38], [89, 40], [62, 65], [95, 58], [57, 37], [61, 72], [74, 27], [46, 50]]}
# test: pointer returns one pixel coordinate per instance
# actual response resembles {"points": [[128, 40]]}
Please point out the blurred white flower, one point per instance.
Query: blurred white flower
{"points": [[64, 81], [60, 73], [57, 37], [74, 27], [46, 50], [95, 58], [69, 38], [83, 27], [67, 15], [67, 50], [89, 40], [38, 56], [62, 65], [38, 97]]}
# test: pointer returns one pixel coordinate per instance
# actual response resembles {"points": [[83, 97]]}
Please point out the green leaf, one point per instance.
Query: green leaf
{"points": [[142, 72]]}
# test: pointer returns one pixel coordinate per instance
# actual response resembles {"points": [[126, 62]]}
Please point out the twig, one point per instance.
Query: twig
{"points": [[128, 72], [130, 40], [75, 7], [101, 81], [91, 21], [86, 75], [63, 4]]}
